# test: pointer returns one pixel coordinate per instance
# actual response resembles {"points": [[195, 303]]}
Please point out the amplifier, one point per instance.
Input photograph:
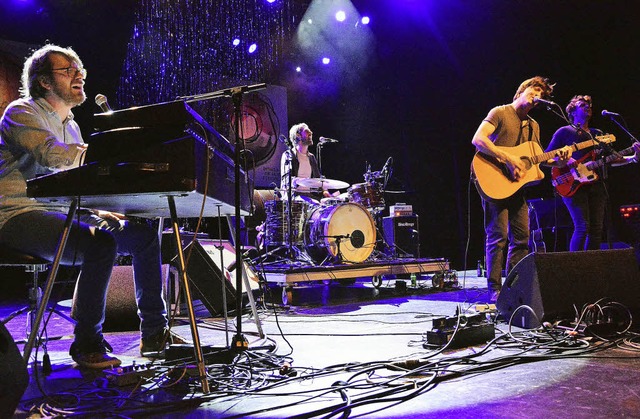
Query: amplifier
{"points": [[402, 235], [400, 209]]}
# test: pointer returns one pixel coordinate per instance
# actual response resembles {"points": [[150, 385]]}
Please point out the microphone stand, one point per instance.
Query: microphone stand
{"points": [[634, 140], [615, 121], [319, 149], [239, 342]]}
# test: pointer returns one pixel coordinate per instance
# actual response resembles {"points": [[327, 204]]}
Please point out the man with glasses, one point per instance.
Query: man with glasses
{"points": [[38, 135], [587, 203]]}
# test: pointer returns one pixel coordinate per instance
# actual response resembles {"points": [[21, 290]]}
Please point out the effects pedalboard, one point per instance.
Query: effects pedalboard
{"points": [[129, 375], [473, 330]]}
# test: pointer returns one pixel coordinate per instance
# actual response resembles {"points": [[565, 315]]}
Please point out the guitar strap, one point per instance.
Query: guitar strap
{"points": [[530, 126]]}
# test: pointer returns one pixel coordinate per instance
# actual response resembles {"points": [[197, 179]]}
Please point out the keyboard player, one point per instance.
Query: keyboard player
{"points": [[38, 135]]}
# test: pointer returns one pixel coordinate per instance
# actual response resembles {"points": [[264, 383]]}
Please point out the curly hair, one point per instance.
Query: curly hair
{"points": [[537, 81], [573, 104], [38, 66]]}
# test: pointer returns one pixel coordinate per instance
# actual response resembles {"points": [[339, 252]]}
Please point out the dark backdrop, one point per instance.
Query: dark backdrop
{"points": [[437, 69]]}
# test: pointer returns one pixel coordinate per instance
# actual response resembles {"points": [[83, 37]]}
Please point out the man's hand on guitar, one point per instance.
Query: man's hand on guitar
{"points": [[562, 157], [516, 166]]}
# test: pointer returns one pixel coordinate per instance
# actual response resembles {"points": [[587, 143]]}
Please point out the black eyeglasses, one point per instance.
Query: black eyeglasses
{"points": [[72, 71]]}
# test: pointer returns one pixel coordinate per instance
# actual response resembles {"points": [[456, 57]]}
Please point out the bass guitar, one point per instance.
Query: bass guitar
{"points": [[567, 180], [493, 179]]}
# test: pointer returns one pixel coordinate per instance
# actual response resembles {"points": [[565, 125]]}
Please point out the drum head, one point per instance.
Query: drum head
{"points": [[345, 231]]}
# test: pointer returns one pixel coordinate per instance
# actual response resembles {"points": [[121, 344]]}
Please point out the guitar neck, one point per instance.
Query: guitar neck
{"points": [[574, 147], [599, 163]]}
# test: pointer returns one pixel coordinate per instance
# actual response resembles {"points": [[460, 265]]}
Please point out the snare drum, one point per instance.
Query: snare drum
{"points": [[348, 226], [276, 229], [369, 195]]}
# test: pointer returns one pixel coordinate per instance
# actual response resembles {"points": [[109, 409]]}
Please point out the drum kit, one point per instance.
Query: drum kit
{"points": [[336, 229]]}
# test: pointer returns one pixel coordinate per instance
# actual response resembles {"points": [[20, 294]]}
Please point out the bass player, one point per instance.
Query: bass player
{"points": [[580, 180]]}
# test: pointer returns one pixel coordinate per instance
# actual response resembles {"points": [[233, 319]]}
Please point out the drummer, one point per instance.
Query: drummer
{"points": [[301, 164]]}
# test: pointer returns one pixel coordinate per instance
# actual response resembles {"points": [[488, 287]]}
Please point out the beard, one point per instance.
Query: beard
{"points": [[69, 95]]}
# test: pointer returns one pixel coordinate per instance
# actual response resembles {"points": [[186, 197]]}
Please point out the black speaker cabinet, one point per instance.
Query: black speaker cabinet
{"points": [[14, 376], [552, 283], [207, 260], [402, 235]]}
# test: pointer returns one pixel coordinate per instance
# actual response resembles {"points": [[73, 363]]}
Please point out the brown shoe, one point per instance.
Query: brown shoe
{"points": [[153, 346], [94, 356]]}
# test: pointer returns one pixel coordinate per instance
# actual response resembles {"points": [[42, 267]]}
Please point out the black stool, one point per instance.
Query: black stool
{"points": [[33, 265]]}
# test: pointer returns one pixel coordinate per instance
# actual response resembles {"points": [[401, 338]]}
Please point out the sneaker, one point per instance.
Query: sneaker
{"points": [[94, 357], [153, 346]]}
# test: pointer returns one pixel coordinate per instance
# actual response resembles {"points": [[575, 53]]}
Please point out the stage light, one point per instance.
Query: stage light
{"points": [[252, 48], [270, 1], [236, 42], [365, 20], [298, 69], [310, 21], [341, 16], [326, 60]]}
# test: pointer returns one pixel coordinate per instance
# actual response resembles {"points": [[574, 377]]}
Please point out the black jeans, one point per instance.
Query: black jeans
{"points": [[505, 220], [587, 208]]}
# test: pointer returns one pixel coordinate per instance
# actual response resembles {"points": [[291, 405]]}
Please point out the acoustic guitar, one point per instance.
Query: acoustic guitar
{"points": [[493, 179]]}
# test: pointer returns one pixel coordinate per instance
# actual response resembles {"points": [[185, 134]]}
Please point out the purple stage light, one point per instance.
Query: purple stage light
{"points": [[236, 42], [253, 48], [365, 20], [326, 60], [341, 16]]}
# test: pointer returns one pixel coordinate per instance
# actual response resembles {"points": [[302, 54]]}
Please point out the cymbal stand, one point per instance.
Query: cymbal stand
{"points": [[289, 165]]}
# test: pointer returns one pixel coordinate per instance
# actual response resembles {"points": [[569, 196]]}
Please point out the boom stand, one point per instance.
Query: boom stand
{"points": [[239, 342]]}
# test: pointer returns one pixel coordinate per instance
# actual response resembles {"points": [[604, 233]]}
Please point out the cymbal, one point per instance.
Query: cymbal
{"points": [[321, 183]]}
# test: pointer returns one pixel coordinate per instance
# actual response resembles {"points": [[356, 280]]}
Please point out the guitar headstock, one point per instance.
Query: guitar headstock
{"points": [[606, 138]]}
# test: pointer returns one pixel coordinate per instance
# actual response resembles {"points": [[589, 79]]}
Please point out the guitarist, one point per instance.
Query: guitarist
{"points": [[587, 203], [508, 219]]}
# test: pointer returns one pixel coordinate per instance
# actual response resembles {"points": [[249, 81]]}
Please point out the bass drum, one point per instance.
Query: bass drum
{"points": [[344, 232]]}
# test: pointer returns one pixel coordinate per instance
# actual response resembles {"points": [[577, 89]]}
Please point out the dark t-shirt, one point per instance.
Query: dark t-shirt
{"points": [[510, 129], [568, 135]]}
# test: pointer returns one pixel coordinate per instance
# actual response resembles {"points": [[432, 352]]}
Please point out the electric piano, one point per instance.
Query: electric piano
{"points": [[140, 156]]}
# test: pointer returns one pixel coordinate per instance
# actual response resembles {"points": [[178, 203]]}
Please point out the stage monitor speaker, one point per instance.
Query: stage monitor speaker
{"points": [[208, 259], [402, 235], [553, 283], [121, 311], [14, 377]]}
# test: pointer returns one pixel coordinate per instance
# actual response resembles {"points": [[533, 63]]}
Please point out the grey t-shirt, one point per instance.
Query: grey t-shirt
{"points": [[510, 129]]}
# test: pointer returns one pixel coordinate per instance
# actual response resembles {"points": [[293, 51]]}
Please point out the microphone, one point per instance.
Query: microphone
{"points": [[323, 140], [385, 168], [283, 139], [101, 101], [609, 114], [544, 102]]}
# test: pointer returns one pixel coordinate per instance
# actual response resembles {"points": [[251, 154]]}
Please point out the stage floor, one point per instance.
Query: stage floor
{"points": [[348, 343]]}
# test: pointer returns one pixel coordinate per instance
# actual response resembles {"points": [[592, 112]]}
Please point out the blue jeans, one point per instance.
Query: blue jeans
{"points": [[505, 220], [95, 249], [587, 208]]}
